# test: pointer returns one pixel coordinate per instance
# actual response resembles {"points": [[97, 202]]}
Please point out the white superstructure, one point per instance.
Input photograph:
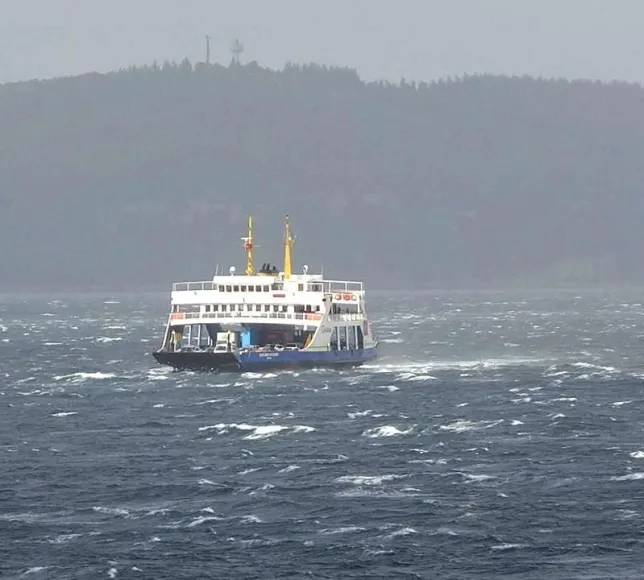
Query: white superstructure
{"points": [[269, 309]]}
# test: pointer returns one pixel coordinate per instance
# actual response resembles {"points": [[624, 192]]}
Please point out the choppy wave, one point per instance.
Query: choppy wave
{"points": [[494, 433]]}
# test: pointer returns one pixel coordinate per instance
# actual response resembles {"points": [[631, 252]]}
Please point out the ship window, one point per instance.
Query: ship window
{"points": [[249, 307], [342, 333], [300, 287], [229, 288], [277, 286], [224, 308], [258, 288], [276, 308], [284, 309], [235, 288], [251, 288], [266, 288], [351, 337], [258, 307], [221, 288], [207, 307], [267, 307], [243, 288], [215, 307]]}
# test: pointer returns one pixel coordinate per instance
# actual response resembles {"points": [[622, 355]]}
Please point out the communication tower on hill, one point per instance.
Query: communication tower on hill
{"points": [[236, 49], [208, 38]]}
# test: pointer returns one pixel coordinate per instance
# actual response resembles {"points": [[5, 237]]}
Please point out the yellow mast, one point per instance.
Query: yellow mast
{"points": [[288, 244], [248, 246]]}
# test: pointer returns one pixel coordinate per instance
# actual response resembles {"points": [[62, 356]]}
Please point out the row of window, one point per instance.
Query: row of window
{"points": [[265, 288], [347, 337], [258, 308]]}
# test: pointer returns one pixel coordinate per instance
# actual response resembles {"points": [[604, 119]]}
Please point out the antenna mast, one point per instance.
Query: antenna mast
{"points": [[236, 49], [208, 49], [288, 244], [248, 246]]}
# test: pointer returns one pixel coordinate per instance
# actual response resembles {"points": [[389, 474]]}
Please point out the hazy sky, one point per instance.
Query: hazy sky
{"points": [[419, 39]]}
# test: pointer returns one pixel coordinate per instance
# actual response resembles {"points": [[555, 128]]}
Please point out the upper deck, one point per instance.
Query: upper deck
{"points": [[303, 283], [268, 286], [265, 289]]}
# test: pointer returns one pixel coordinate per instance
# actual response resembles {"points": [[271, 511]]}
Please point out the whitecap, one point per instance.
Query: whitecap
{"points": [[628, 477], [359, 414], [247, 471], [503, 547], [386, 431], [620, 403], [564, 400], [258, 431], [202, 520], [265, 431], [80, 377], [478, 477], [111, 511], [463, 425], [368, 480], [401, 532], [289, 468], [206, 482], [344, 530]]}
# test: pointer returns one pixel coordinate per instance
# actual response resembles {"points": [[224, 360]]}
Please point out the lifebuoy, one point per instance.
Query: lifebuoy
{"points": [[338, 297], [347, 296]]}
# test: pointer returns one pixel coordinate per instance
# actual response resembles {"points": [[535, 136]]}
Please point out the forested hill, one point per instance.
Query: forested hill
{"points": [[138, 178]]}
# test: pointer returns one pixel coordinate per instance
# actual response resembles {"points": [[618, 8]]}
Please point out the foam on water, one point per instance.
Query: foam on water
{"points": [[495, 433]]}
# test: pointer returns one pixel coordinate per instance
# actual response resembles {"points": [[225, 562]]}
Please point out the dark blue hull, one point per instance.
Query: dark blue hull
{"points": [[264, 361]]}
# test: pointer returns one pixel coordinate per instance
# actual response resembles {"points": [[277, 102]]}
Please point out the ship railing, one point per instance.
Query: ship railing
{"points": [[342, 286], [349, 317], [246, 315], [327, 286]]}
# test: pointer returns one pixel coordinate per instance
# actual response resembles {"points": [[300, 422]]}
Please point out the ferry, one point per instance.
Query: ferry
{"points": [[266, 320]]}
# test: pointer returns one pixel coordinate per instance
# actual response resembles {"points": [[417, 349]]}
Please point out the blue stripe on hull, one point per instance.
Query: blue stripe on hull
{"points": [[254, 361]]}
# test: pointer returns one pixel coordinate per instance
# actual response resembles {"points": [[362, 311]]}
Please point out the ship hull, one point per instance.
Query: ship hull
{"points": [[264, 361]]}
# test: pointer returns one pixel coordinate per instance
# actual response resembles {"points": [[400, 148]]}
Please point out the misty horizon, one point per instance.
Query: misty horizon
{"points": [[427, 40]]}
